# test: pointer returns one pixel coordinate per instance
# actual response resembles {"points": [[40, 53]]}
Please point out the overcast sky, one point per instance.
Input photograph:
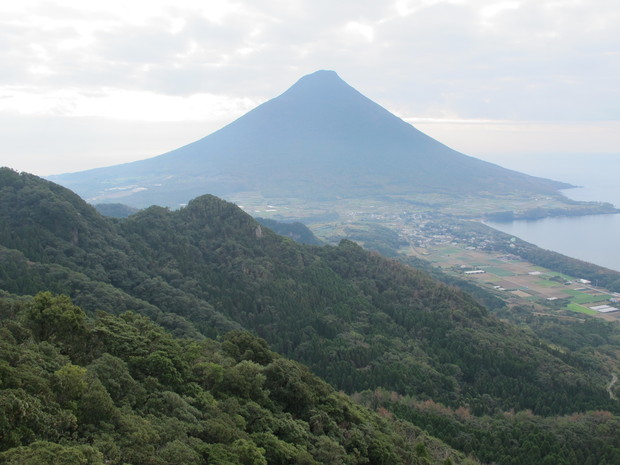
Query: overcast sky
{"points": [[95, 83]]}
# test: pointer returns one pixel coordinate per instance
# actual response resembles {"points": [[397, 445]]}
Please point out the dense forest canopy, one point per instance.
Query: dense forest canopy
{"points": [[360, 321], [119, 390]]}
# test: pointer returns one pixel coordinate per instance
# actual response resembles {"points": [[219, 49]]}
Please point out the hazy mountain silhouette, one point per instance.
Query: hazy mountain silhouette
{"points": [[321, 139]]}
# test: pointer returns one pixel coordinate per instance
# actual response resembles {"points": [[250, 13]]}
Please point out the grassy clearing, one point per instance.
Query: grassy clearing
{"points": [[588, 299], [581, 297], [573, 292], [580, 309], [447, 250], [561, 275], [499, 271], [547, 283]]}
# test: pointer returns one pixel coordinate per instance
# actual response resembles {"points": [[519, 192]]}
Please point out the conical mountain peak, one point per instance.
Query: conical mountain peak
{"points": [[322, 75], [320, 81], [321, 88], [320, 139]]}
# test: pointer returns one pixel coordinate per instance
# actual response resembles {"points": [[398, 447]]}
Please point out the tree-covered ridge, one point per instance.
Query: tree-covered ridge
{"points": [[511, 438], [121, 390], [355, 318], [360, 321], [297, 231], [115, 210]]}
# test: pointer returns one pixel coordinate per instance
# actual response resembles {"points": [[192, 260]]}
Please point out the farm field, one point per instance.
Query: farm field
{"points": [[514, 279], [425, 226]]}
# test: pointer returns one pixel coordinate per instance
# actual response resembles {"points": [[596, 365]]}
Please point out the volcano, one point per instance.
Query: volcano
{"points": [[319, 140]]}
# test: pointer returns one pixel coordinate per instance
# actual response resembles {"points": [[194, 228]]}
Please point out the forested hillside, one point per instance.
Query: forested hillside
{"points": [[357, 319], [296, 231], [120, 390], [511, 438]]}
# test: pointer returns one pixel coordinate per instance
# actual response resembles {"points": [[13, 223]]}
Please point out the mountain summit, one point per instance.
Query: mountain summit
{"points": [[321, 139]]}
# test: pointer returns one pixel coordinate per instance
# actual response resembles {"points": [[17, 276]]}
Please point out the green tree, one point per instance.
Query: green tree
{"points": [[248, 453], [241, 345], [180, 453], [48, 453], [71, 384], [56, 319]]}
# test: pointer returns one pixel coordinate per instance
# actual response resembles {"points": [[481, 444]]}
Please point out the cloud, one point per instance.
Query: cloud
{"points": [[445, 48], [508, 60]]}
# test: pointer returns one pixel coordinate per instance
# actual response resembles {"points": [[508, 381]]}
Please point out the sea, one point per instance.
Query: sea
{"points": [[592, 238]]}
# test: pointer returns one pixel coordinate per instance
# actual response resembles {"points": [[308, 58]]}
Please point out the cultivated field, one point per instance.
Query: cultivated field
{"points": [[512, 278]]}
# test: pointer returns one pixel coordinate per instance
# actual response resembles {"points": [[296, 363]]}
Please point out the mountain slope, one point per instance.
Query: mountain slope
{"points": [[119, 390], [321, 139], [361, 321], [357, 319]]}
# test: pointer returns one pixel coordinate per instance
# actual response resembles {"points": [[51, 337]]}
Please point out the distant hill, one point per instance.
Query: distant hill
{"points": [[297, 231], [319, 140], [115, 210]]}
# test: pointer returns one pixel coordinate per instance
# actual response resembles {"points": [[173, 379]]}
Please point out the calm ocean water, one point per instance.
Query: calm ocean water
{"points": [[595, 238]]}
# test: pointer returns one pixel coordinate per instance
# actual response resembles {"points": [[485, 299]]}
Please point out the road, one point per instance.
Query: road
{"points": [[614, 380]]}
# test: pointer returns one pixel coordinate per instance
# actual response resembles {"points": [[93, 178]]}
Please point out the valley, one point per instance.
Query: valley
{"points": [[444, 231], [517, 281]]}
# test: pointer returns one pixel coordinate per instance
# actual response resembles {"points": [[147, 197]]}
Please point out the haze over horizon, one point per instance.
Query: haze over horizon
{"points": [[320, 140], [96, 84]]}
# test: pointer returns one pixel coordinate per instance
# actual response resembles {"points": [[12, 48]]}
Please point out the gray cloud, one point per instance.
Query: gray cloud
{"points": [[444, 55], [524, 60]]}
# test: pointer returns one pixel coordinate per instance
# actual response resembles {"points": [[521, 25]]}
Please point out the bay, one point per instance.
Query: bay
{"points": [[592, 238]]}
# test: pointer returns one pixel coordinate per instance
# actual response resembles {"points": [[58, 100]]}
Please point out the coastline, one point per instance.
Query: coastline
{"points": [[581, 208], [588, 238]]}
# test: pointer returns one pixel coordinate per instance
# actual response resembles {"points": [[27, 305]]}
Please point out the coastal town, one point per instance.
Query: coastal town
{"points": [[464, 248], [486, 257]]}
